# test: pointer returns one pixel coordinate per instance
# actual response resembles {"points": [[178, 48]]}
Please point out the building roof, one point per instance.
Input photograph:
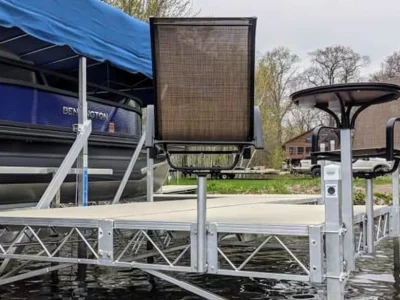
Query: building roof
{"points": [[298, 136]]}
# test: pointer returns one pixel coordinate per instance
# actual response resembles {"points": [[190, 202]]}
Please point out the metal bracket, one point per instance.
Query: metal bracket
{"points": [[193, 247], [316, 254], [77, 127], [342, 277], [341, 232], [212, 248], [106, 240]]}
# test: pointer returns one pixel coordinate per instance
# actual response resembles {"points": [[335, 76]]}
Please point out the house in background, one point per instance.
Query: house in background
{"points": [[299, 147]]}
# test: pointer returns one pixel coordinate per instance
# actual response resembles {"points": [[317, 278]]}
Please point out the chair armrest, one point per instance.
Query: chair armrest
{"points": [[390, 138]]}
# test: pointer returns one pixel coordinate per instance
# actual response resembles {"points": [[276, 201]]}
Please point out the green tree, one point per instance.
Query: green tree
{"points": [[276, 75]]}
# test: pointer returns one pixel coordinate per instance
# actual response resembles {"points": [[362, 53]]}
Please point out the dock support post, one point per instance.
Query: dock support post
{"points": [[150, 175], [395, 191], [150, 151], [396, 254], [334, 232], [369, 202], [322, 149], [82, 162], [395, 221], [82, 118], [347, 196], [201, 222]]}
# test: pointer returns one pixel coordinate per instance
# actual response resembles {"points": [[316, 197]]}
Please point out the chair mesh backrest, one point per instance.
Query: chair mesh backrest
{"points": [[203, 79]]}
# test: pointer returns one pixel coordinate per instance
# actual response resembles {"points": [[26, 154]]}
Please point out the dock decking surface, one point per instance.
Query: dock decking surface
{"points": [[245, 210]]}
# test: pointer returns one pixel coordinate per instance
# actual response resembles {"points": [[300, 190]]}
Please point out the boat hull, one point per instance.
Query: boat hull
{"points": [[22, 151], [36, 130]]}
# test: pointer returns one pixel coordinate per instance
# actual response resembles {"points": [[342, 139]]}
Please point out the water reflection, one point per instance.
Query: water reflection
{"points": [[373, 279]]}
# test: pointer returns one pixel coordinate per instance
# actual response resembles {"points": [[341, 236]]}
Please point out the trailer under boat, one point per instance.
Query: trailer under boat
{"points": [[38, 113]]}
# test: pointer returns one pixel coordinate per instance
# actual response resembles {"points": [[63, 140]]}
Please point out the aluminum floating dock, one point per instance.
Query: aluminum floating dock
{"points": [[126, 235], [161, 237]]}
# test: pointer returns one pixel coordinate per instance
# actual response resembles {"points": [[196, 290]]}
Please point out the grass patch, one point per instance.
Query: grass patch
{"points": [[279, 185], [244, 186]]}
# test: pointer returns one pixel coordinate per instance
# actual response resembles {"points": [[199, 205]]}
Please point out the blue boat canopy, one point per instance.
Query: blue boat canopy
{"points": [[53, 34]]}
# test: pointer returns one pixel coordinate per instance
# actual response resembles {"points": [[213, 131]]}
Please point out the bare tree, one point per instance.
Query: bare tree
{"points": [[334, 64], [390, 68], [301, 120], [143, 9]]}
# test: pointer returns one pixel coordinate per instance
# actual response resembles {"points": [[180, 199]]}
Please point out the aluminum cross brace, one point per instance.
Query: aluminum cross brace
{"points": [[129, 169], [65, 166], [33, 273], [187, 286]]}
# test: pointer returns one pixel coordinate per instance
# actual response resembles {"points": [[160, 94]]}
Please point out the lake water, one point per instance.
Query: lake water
{"points": [[373, 279]]}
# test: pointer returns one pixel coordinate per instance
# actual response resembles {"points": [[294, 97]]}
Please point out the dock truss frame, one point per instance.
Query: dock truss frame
{"points": [[124, 244]]}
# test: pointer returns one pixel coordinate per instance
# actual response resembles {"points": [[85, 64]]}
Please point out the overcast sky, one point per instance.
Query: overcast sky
{"points": [[371, 27]]}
